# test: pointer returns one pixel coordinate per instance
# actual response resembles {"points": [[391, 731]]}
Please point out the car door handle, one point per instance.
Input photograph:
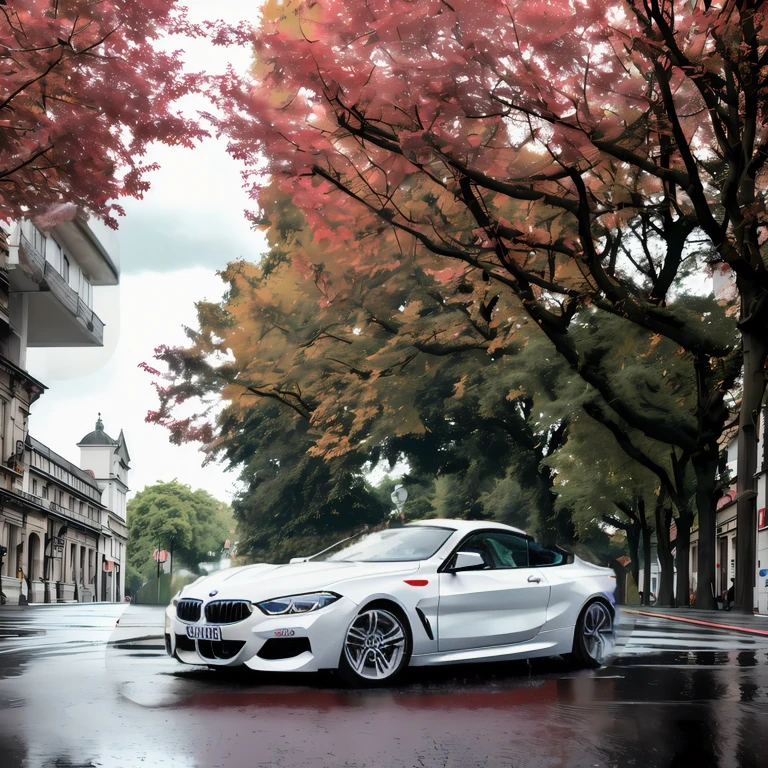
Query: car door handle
{"points": [[534, 579]]}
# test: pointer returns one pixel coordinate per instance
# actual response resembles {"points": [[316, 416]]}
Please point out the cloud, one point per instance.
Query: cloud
{"points": [[152, 308], [193, 215]]}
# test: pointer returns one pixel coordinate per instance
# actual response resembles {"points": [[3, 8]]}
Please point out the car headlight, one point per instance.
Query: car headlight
{"points": [[293, 604]]}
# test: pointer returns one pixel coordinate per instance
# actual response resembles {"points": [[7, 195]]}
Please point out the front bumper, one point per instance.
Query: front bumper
{"points": [[305, 642]]}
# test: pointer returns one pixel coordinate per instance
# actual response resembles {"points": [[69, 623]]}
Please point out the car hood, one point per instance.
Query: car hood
{"points": [[264, 581]]}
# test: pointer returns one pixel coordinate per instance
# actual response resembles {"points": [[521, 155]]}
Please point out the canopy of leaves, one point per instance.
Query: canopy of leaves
{"points": [[86, 87], [326, 368], [558, 159]]}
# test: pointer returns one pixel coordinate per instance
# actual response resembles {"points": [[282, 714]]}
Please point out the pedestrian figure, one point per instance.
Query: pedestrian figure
{"points": [[730, 596]]}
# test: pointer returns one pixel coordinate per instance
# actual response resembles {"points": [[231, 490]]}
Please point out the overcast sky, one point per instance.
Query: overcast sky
{"points": [[170, 244]]}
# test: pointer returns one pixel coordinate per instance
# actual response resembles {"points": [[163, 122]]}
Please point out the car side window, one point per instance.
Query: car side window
{"points": [[541, 557], [499, 550], [478, 544]]}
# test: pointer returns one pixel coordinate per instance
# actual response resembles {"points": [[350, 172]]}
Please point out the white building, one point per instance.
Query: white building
{"points": [[726, 523], [54, 526], [108, 462], [761, 577]]}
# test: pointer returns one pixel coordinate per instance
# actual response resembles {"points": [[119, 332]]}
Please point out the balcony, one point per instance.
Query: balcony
{"points": [[74, 304], [78, 517], [31, 262], [57, 509], [58, 317]]}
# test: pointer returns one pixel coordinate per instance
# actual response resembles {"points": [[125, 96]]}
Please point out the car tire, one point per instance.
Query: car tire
{"points": [[377, 647], [594, 636]]}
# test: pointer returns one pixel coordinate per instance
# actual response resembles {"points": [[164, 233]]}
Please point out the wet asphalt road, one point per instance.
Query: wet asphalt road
{"points": [[77, 691]]}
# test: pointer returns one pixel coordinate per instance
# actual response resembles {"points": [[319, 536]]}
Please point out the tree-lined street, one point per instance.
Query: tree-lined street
{"points": [[82, 692]]}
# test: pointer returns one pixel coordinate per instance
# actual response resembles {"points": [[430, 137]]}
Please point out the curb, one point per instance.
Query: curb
{"points": [[701, 622]]}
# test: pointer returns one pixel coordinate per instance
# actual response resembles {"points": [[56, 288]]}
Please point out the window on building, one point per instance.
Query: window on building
{"points": [[4, 534], [86, 290], [71, 503], [54, 254], [36, 237], [45, 492], [3, 406], [34, 487], [65, 269], [82, 565], [72, 563], [82, 507]]}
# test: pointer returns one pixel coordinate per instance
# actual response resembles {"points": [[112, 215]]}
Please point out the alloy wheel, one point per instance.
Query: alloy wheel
{"points": [[375, 644], [598, 632]]}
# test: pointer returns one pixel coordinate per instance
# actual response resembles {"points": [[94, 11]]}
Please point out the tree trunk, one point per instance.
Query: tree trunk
{"points": [[646, 533], [633, 542], [683, 548], [663, 520], [755, 349], [705, 467]]}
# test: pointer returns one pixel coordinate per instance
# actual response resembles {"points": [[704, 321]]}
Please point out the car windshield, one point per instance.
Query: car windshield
{"points": [[388, 546]]}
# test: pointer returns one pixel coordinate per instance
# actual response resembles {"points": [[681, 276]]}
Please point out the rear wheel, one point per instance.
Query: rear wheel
{"points": [[377, 647], [595, 636]]}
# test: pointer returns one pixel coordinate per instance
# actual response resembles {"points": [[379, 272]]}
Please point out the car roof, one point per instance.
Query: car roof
{"points": [[466, 526]]}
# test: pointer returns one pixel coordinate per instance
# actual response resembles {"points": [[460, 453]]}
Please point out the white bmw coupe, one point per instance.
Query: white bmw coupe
{"points": [[433, 592]]}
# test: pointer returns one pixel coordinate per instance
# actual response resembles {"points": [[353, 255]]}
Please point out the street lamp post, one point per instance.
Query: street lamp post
{"points": [[399, 497]]}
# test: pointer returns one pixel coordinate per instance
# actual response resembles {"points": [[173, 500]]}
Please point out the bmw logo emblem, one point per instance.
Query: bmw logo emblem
{"points": [[214, 593]]}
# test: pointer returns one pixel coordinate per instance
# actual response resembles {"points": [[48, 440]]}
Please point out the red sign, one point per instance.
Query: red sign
{"points": [[761, 523], [161, 555]]}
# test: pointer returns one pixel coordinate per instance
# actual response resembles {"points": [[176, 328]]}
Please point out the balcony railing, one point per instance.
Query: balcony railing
{"points": [[31, 497], [69, 298], [92, 320], [79, 516], [31, 261], [59, 510]]}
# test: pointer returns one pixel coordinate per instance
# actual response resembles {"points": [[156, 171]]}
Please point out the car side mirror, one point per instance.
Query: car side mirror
{"points": [[467, 561]]}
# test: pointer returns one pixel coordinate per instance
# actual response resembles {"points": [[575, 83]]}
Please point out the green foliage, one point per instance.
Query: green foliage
{"points": [[294, 504], [171, 514]]}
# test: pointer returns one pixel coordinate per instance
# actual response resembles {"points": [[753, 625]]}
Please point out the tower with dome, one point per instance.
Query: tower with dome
{"points": [[107, 460]]}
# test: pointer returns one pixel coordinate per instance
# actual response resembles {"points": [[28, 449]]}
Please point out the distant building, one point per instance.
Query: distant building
{"points": [[108, 461], [54, 525]]}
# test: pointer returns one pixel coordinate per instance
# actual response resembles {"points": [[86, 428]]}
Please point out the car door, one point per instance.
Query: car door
{"points": [[501, 603]]}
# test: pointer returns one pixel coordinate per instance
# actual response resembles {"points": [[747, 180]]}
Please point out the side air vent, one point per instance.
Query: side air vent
{"points": [[284, 648]]}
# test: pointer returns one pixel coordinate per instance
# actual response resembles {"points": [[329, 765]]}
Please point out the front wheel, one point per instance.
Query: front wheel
{"points": [[377, 647], [594, 637]]}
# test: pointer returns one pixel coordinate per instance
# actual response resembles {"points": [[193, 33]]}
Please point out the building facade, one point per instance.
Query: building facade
{"points": [[107, 461], [54, 525], [726, 523]]}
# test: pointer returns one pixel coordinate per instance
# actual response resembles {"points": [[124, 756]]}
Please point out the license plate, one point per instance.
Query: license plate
{"points": [[203, 632]]}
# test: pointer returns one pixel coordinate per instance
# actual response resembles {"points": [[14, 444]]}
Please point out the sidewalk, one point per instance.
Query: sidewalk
{"points": [[727, 620]]}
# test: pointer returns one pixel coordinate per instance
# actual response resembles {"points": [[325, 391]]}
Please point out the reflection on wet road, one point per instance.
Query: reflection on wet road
{"points": [[75, 690]]}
